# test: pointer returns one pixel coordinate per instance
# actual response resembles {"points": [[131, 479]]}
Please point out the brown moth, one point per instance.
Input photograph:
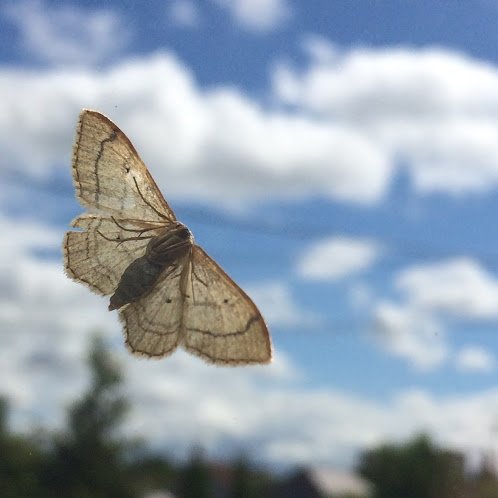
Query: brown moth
{"points": [[130, 246]]}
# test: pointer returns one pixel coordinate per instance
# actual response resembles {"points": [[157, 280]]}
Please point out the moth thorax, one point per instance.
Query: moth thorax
{"points": [[169, 246]]}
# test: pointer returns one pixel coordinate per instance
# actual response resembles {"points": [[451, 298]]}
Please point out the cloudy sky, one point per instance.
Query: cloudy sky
{"points": [[338, 158]]}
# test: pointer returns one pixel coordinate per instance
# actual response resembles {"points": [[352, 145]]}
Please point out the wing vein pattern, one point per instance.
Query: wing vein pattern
{"points": [[221, 323], [193, 303]]}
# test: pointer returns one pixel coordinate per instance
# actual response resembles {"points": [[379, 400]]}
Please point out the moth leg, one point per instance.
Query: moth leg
{"points": [[199, 279], [120, 241], [140, 230]]}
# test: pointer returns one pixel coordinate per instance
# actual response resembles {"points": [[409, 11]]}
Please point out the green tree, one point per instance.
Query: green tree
{"points": [[19, 462], [196, 480], [485, 483], [89, 459], [149, 473], [243, 485], [417, 469], [248, 482]]}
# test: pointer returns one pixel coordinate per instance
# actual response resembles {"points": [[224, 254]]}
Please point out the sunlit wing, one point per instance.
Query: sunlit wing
{"points": [[194, 303], [153, 323], [220, 322], [109, 175], [98, 254]]}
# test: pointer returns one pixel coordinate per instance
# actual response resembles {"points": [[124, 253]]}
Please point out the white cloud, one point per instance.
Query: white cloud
{"points": [[45, 320], [475, 358], [258, 15], [458, 286], [361, 296], [434, 110], [215, 145], [337, 257], [408, 333], [415, 329], [219, 144], [319, 49], [184, 13], [271, 411], [66, 34], [453, 418], [278, 306]]}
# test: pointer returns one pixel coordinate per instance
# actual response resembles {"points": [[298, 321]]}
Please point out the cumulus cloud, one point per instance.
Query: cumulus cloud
{"points": [[458, 286], [475, 358], [258, 15], [318, 48], [45, 320], [357, 116], [433, 110], [66, 34], [270, 411], [278, 306], [430, 294], [337, 257], [410, 334], [215, 145], [184, 13]]}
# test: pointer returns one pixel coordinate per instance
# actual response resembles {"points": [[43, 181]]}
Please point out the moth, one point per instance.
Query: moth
{"points": [[130, 246]]}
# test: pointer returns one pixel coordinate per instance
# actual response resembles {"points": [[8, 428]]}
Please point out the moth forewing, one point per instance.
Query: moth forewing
{"points": [[109, 175]]}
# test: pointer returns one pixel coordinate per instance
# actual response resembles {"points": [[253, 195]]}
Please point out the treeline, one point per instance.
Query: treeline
{"points": [[91, 458], [420, 469]]}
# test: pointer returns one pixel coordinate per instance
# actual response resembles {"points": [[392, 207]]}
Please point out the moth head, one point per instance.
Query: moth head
{"points": [[182, 232]]}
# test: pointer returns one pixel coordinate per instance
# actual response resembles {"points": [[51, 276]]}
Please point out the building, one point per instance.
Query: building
{"points": [[321, 482]]}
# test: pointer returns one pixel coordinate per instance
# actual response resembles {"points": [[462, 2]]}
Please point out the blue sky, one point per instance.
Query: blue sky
{"points": [[338, 158]]}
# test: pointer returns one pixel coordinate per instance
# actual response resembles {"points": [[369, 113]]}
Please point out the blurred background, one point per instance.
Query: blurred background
{"points": [[340, 160]]}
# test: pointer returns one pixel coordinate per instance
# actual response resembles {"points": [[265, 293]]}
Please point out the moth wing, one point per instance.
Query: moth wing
{"points": [[99, 252], [152, 324], [220, 322], [109, 175]]}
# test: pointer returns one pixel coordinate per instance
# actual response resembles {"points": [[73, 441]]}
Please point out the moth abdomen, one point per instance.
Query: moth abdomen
{"points": [[138, 279]]}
